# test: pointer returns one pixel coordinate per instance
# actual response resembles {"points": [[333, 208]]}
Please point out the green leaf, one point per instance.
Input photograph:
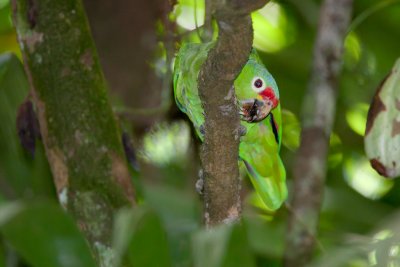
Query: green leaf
{"points": [[266, 237], [5, 16], [222, 246], [382, 134], [2, 255], [20, 173], [291, 130], [140, 238], [44, 235], [273, 30], [180, 213]]}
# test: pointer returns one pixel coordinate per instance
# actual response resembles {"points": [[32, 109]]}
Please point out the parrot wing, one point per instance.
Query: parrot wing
{"points": [[259, 150], [187, 67]]}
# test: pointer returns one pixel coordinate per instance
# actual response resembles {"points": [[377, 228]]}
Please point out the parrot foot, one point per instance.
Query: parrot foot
{"points": [[242, 130], [200, 183], [202, 130]]}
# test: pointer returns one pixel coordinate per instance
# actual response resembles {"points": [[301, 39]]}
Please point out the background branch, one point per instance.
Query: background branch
{"points": [[318, 117], [219, 153], [80, 134]]}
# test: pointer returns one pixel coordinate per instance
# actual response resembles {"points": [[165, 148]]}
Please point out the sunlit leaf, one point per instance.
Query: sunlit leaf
{"points": [[140, 237], [352, 50], [272, 29], [166, 143], [44, 235], [356, 117], [222, 246], [190, 13], [362, 178]]}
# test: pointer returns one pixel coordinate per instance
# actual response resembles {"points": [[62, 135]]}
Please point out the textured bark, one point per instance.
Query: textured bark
{"points": [[318, 117], [219, 153], [78, 128]]}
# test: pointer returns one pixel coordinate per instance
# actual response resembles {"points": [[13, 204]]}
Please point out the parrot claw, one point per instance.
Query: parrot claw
{"points": [[242, 130], [202, 130], [200, 183]]}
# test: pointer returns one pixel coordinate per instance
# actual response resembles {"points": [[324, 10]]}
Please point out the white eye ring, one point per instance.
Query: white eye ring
{"points": [[258, 84]]}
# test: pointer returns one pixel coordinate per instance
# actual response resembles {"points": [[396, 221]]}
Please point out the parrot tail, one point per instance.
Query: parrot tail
{"points": [[272, 189]]}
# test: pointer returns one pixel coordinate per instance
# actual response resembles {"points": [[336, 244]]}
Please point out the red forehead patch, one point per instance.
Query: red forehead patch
{"points": [[268, 93]]}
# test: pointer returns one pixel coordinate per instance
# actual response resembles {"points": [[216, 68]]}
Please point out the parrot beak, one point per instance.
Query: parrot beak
{"points": [[255, 110]]}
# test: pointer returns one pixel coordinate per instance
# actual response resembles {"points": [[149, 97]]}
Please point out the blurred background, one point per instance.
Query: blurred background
{"points": [[136, 42]]}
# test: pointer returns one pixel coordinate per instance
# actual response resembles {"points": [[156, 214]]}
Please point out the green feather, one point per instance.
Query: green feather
{"points": [[259, 148]]}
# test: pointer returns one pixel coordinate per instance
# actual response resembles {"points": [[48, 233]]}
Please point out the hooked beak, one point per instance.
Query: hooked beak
{"points": [[255, 110]]}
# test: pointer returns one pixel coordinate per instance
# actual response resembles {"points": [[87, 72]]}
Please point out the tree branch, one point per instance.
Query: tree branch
{"points": [[80, 134], [318, 116], [219, 154]]}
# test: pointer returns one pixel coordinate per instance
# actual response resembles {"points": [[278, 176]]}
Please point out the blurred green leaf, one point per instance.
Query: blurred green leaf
{"points": [[180, 213], [273, 30], [291, 130], [2, 255], [5, 16], [21, 175], [44, 235], [335, 156], [260, 230], [352, 50], [166, 143], [222, 246], [139, 235], [190, 13], [356, 117], [362, 178]]}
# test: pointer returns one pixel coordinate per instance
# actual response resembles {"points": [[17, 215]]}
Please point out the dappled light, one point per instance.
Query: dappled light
{"points": [[106, 133], [362, 178], [166, 144], [273, 29], [356, 117], [353, 50]]}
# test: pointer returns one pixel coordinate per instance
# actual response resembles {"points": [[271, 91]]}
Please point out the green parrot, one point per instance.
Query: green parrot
{"points": [[259, 107]]}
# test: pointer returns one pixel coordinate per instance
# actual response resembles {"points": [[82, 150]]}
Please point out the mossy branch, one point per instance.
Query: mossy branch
{"points": [[219, 154], [81, 137]]}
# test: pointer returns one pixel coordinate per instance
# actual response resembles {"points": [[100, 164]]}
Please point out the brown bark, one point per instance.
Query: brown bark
{"points": [[318, 117], [219, 153], [126, 37]]}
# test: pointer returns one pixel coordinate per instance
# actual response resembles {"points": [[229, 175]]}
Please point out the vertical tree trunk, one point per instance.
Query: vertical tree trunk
{"points": [[318, 116], [219, 154], [78, 128]]}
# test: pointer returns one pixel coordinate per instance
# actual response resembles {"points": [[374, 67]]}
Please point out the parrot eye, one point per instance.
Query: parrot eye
{"points": [[257, 84]]}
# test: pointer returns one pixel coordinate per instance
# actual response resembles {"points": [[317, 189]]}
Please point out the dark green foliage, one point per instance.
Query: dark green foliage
{"points": [[140, 237], [21, 174], [166, 230], [44, 235]]}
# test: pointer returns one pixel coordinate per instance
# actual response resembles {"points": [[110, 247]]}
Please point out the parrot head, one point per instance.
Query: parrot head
{"points": [[256, 90]]}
